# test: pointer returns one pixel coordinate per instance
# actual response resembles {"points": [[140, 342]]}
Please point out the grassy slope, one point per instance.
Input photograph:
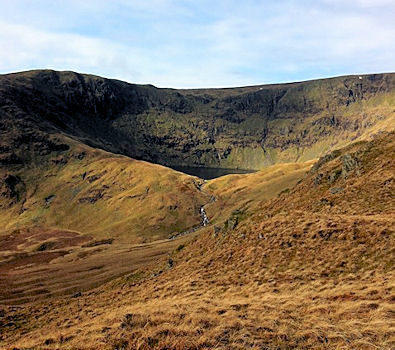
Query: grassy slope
{"points": [[244, 193], [311, 269], [80, 217], [103, 195], [44, 238]]}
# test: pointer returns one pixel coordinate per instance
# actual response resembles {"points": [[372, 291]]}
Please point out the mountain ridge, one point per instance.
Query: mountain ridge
{"points": [[253, 86], [246, 128]]}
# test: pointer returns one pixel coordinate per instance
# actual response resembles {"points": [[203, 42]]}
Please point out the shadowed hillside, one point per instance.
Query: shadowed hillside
{"points": [[245, 128]]}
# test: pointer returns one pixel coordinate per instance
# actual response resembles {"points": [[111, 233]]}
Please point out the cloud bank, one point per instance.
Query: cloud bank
{"points": [[172, 43]]}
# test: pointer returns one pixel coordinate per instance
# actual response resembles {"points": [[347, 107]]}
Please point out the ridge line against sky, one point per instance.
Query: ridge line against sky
{"points": [[192, 44]]}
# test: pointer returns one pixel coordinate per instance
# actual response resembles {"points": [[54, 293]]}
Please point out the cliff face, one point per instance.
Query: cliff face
{"points": [[246, 128]]}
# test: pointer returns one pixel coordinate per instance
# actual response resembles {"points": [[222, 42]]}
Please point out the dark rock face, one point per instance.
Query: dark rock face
{"points": [[48, 200], [12, 190], [243, 128], [325, 159], [9, 159]]}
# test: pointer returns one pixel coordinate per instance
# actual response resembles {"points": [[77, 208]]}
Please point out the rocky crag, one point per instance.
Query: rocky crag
{"points": [[245, 128]]}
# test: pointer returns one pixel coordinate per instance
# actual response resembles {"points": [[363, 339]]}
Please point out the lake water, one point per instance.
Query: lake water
{"points": [[210, 173]]}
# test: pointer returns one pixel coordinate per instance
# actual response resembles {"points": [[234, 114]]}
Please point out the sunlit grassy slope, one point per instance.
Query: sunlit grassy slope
{"points": [[311, 268], [242, 194], [103, 195], [82, 212]]}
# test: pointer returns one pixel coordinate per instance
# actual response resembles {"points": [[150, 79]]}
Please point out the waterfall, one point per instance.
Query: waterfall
{"points": [[203, 214]]}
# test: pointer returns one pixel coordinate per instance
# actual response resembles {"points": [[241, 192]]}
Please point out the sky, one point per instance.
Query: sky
{"points": [[199, 43]]}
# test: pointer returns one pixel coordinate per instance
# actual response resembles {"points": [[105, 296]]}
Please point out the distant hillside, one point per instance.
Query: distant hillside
{"points": [[245, 128]]}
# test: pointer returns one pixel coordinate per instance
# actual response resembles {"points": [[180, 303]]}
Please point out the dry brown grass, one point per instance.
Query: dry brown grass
{"points": [[223, 311], [39, 262], [246, 192], [310, 269]]}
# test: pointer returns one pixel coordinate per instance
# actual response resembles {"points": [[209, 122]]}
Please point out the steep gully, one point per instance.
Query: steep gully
{"points": [[204, 218], [204, 222]]}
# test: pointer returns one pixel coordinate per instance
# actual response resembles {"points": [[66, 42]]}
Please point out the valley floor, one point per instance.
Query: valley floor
{"points": [[237, 290], [29, 277]]}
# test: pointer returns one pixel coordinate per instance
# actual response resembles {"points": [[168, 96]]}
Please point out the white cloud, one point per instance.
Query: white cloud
{"points": [[189, 44], [362, 3], [25, 46]]}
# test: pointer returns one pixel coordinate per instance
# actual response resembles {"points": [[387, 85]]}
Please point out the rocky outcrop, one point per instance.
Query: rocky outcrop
{"points": [[12, 190], [349, 163]]}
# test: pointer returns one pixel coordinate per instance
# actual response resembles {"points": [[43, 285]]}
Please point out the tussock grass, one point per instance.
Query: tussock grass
{"points": [[295, 274]]}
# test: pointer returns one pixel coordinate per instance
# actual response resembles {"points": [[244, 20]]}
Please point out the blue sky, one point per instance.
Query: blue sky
{"points": [[171, 43]]}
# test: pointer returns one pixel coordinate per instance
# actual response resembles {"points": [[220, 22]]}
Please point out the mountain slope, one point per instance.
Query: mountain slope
{"points": [[248, 128], [77, 219], [309, 269], [100, 194]]}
